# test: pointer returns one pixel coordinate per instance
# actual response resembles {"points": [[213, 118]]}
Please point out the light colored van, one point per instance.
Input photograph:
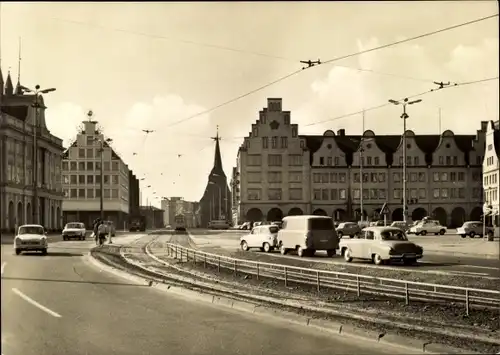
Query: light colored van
{"points": [[306, 234]]}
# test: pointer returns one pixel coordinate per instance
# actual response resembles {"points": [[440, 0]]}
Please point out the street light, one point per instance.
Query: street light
{"points": [[220, 197], [404, 116], [101, 172], [34, 161]]}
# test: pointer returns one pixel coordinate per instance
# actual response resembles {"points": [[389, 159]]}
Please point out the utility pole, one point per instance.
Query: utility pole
{"points": [[404, 116], [34, 161]]}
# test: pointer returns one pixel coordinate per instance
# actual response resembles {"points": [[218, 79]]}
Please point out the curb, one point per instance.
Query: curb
{"points": [[291, 317], [456, 253]]}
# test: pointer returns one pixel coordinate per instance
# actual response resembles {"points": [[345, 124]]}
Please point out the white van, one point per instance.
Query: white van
{"points": [[306, 234]]}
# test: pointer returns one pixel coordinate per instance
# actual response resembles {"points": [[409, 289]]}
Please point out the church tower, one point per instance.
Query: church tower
{"points": [[216, 201]]}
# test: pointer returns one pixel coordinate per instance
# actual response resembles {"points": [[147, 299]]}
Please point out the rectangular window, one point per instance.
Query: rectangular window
{"points": [[115, 179], [396, 177], [90, 179], [295, 176], [381, 177], [106, 166], [329, 161], [81, 179], [422, 193], [114, 193], [98, 193], [333, 177], [274, 194], [333, 194], [444, 176], [316, 178], [65, 165], [74, 179], [73, 166], [382, 194], [274, 160], [81, 153], [90, 166], [295, 160], [81, 166], [274, 142], [65, 179], [254, 176], [90, 153], [284, 142], [444, 193], [321, 161], [253, 194], [342, 177], [106, 179], [254, 160], [435, 193], [343, 194], [265, 142], [325, 194], [106, 193], [115, 166], [295, 194], [317, 194], [436, 177], [325, 178], [90, 193], [356, 194], [274, 176], [81, 193]]}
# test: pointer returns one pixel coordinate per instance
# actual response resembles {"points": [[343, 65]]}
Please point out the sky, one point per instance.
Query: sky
{"points": [[149, 65]]}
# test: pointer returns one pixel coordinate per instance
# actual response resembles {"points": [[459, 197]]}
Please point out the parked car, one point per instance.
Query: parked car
{"points": [[306, 234], [474, 228], [381, 245], [427, 226], [31, 237], [350, 229], [263, 237], [74, 230], [404, 226]]}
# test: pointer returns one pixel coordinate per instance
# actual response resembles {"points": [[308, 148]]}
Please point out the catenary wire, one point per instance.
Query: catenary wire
{"points": [[408, 97], [331, 61]]}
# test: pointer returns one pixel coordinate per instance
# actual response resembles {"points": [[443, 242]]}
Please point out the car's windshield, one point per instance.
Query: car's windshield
{"points": [[30, 230], [74, 225], [321, 224], [393, 235]]}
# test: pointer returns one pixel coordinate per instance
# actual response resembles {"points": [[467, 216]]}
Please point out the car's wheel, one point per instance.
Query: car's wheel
{"points": [[331, 252], [377, 259], [65, 238], [266, 247], [472, 235], [44, 251], [423, 232], [340, 234], [463, 235], [442, 232], [347, 255], [283, 250], [18, 251], [244, 246]]}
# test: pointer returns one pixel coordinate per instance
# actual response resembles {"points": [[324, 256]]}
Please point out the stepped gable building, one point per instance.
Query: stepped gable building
{"points": [[81, 169], [18, 117], [491, 173], [216, 200], [280, 173]]}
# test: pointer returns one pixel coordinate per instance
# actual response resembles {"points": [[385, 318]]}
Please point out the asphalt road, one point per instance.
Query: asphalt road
{"points": [[60, 304], [452, 264]]}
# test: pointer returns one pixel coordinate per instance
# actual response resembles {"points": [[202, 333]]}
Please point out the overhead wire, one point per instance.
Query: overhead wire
{"points": [[384, 46], [406, 97]]}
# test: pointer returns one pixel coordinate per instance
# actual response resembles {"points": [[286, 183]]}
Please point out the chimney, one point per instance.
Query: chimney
{"points": [[484, 126], [341, 132]]}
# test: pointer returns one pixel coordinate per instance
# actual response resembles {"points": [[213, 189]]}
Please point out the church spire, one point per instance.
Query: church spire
{"points": [[19, 89], [9, 88], [217, 169]]}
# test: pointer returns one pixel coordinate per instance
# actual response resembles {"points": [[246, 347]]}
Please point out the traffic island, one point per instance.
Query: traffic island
{"points": [[373, 315]]}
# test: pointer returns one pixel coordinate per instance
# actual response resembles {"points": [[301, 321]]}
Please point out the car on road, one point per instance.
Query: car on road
{"points": [[474, 228], [428, 226], [401, 225], [263, 237], [31, 237], [307, 234], [350, 229], [381, 245], [74, 230]]}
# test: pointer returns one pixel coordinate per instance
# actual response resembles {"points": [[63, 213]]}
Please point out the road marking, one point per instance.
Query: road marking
{"points": [[35, 303], [3, 268], [481, 267]]}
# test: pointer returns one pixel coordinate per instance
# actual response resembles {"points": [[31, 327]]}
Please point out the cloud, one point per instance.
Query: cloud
{"points": [[402, 71], [62, 119]]}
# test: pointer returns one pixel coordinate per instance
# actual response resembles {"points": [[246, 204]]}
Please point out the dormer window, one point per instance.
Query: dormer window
{"points": [[294, 131], [286, 118], [262, 118]]}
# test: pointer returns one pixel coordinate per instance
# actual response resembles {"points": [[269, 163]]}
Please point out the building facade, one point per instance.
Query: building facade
{"points": [[134, 195], [154, 216], [81, 169], [215, 203], [280, 173], [174, 206], [491, 173], [17, 118]]}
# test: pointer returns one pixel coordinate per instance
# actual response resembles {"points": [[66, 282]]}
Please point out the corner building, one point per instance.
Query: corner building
{"points": [[491, 173], [280, 173], [81, 168], [18, 119]]}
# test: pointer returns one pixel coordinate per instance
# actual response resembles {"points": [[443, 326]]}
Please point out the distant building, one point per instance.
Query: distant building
{"points": [[216, 200], [17, 117], [82, 177], [491, 172], [154, 217], [134, 195], [174, 206], [280, 173]]}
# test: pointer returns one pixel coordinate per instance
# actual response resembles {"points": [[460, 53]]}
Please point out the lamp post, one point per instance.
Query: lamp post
{"points": [[220, 197], [404, 116], [34, 160]]}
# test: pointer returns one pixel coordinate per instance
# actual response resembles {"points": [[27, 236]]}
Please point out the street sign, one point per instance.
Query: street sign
{"points": [[385, 209]]}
